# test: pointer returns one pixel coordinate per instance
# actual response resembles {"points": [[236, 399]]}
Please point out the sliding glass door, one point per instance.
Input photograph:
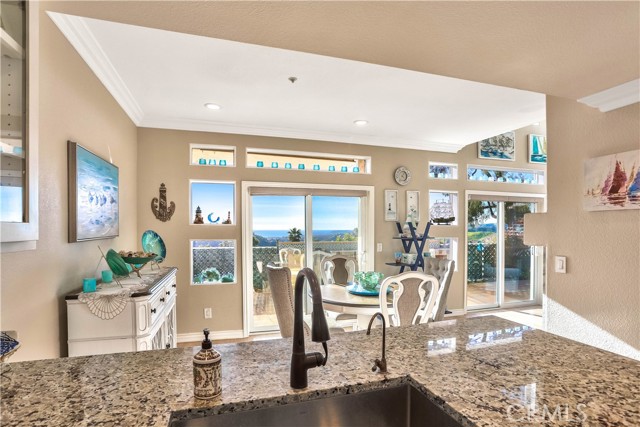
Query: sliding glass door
{"points": [[501, 269], [335, 228], [297, 231], [278, 224]]}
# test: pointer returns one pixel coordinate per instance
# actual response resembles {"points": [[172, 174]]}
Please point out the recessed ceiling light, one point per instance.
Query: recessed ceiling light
{"points": [[360, 122], [211, 106]]}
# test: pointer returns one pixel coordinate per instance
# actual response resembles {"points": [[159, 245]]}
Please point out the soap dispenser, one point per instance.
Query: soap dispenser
{"points": [[207, 370]]}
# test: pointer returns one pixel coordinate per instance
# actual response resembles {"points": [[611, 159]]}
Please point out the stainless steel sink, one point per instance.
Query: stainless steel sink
{"points": [[397, 406]]}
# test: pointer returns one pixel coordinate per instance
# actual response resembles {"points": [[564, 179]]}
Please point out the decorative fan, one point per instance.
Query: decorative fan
{"points": [[105, 306]]}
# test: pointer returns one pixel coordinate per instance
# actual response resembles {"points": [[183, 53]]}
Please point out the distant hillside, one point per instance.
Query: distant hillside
{"points": [[270, 237]]}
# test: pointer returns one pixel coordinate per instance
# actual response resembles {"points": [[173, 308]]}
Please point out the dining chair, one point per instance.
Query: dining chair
{"points": [[318, 256], [443, 270], [282, 294], [413, 298], [338, 269]]}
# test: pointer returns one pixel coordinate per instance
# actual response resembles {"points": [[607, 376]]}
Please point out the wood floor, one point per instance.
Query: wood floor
{"points": [[484, 293]]}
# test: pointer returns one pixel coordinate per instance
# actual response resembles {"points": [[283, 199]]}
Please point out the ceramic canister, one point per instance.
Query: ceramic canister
{"points": [[207, 371]]}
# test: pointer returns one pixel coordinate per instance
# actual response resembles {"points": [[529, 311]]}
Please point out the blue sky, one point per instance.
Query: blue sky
{"points": [[285, 212]]}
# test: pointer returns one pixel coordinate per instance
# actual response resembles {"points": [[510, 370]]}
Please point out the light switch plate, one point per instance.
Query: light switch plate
{"points": [[379, 248], [561, 264]]}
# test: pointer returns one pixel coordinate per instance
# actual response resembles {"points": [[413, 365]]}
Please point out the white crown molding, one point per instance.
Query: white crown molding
{"points": [[615, 97], [210, 126], [82, 39]]}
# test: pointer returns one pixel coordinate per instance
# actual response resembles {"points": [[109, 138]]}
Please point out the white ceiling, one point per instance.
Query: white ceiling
{"points": [[162, 79]]}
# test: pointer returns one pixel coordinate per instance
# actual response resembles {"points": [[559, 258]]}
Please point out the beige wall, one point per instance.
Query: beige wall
{"points": [[73, 105], [598, 300], [163, 156]]}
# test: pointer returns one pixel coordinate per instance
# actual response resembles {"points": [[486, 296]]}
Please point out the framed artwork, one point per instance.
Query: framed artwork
{"points": [[390, 205], [413, 206], [93, 196], [537, 149], [500, 147], [612, 182]]}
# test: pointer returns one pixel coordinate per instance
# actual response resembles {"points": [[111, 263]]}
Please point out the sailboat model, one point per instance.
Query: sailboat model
{"points": [[442, 213]]}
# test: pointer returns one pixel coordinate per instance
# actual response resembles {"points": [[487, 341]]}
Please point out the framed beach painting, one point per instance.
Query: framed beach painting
{"points": [[537, 149], [390, 205], [413, 206], [499, 147], [93, 196], [612, 182]]}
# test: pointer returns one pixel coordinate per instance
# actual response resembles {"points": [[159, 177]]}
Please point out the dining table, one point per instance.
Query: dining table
{"points": [[337, 298]]}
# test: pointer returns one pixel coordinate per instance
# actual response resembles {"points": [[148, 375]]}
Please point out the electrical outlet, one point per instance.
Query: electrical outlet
{"points": [[208, 313], [379, 248]]}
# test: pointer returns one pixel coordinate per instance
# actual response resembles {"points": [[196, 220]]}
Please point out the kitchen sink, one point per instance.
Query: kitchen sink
{"points": [[389, 407]]}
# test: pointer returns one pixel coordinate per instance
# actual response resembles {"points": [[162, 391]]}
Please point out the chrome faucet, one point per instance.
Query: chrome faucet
{"points": [[301, 361], [379, 364]]}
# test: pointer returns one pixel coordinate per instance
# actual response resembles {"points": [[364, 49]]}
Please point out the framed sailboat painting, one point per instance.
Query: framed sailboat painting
{"points": [[537, 149], [612, 182]]}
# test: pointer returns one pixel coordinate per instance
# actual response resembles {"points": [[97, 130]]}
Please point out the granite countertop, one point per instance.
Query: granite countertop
{"points": [[484, 371], [151, 281]]}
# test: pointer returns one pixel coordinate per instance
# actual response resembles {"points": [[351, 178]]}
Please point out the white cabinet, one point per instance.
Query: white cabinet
{"points": [[148, 321]]}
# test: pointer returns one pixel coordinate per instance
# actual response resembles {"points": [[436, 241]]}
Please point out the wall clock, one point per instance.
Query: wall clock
{"points": [[402, 175]]}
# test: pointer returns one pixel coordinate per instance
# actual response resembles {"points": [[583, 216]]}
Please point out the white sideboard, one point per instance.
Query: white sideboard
{"points": [[148, 321]]}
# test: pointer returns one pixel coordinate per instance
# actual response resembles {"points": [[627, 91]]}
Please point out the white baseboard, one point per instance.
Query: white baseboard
{"points": [[215, 335], [456, 312]]}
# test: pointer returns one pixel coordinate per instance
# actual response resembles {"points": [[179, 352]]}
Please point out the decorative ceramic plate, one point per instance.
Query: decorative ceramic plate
{"points": [[116, 263], [402, 175], [356, 289], [152, 242]]}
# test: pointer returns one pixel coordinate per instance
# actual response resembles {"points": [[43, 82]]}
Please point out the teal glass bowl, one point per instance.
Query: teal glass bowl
{"points": [[369, 280]]}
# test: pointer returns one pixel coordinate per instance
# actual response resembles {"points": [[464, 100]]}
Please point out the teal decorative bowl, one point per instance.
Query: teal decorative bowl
{"points": [[369, 280]]}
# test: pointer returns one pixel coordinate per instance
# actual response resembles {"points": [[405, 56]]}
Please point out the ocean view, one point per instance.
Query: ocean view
{"points": [[272, 234]]}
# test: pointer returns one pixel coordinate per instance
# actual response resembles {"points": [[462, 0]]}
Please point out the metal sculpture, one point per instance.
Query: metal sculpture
{"points": [[159, 206]]}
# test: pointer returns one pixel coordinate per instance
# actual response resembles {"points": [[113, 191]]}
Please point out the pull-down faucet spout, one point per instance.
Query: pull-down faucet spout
{"points": [[380, 364], [301, 361]]}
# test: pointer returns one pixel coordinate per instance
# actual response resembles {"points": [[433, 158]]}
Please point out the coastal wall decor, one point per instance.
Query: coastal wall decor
{"points": [[93, 195], [537, 149], [499, 147], [413, 206], [213, 202], [612, 182], [443, 207], [159, 205], [390, 205]]}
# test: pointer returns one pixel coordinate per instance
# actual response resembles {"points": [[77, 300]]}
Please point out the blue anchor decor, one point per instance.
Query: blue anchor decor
{"points": [[159, 207]]}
